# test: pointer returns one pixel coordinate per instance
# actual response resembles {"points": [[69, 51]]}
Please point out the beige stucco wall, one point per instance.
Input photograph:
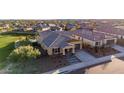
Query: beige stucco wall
{"points": [[49, 51], [115, 40], [44, 29], [102, 42], [120, 36], [77, 42], [76, 37], [62, 50], [89, 42], [68, 47]]}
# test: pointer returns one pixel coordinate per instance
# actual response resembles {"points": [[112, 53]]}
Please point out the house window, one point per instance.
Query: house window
{"points": [[78, 38], [97, 43], [56, 50]]}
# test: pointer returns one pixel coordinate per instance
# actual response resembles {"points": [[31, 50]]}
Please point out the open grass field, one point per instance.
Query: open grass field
{"points": [[6, 46]]}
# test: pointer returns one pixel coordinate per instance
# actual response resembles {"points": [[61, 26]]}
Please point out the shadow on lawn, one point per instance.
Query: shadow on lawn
{"points": [[4, 53], [18, 33]]}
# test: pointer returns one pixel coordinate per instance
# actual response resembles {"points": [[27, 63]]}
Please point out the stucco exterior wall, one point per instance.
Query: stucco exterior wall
{"points": [[115, 40], [68, 47], [49, 51], [89, 42]]}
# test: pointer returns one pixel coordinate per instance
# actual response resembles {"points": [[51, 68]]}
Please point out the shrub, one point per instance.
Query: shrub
{"points": [[22, 43], [23, 54]]}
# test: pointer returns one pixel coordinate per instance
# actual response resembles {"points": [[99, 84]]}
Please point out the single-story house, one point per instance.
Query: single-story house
{"points": [[55, 42], [43, 26], [63, 42], [94, 38]]}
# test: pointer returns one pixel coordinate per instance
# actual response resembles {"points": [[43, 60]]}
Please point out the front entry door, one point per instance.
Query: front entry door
{"points": [[77, 46], [68, 51]]}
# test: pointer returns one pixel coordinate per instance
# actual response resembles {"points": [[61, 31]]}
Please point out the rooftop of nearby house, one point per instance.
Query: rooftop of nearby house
{"points": [[115, 27], [91, 35], [112, 30]]}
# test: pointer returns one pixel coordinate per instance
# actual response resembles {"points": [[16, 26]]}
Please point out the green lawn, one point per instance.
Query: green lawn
{"points": [[6, 46]]}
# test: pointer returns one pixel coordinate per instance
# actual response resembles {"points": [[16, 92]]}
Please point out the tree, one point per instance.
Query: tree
{"points": [[23, 54]]}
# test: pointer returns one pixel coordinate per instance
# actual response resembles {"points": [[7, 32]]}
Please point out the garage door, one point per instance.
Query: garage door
{"points": [[77, 46], [110, 42], [67, 51]]}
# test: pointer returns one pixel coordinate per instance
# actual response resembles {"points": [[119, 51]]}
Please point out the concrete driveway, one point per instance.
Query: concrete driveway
{"points": [[89, 60], [119, 48]]}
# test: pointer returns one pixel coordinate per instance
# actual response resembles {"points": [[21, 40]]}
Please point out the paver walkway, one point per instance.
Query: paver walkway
{"points": [[89, 62], [84, 56], [72, 59]]}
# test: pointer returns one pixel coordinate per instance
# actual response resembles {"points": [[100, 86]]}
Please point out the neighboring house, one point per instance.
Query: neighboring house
{"points": [[28, 29], [110, 29], [63, 42], [52, 25], [42, 26], [6, 26], [92, 38], [70, 27]]}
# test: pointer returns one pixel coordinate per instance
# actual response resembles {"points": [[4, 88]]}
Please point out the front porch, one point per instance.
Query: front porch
{"points": [[68, 50], [61, 51], [77, 43]]}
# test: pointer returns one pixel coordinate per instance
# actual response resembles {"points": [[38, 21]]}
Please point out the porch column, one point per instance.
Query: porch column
{"points": [[73, 50], [86, 71], [81, 46], [63, 51], [49, 51], [115, 41]]}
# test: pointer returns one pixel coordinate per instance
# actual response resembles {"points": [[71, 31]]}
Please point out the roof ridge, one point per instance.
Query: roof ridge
{"points": [[54, 41]]}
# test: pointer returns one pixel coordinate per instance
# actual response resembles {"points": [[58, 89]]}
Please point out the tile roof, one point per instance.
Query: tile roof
{"points": [[60, 38], [44, 34], [54, 39], [109, 28], [91, 35], [61, 41], [50, 39]]}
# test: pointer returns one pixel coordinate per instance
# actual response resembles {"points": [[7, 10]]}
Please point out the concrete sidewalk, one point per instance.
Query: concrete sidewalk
{"points": [[89, 63], [119, 48]]}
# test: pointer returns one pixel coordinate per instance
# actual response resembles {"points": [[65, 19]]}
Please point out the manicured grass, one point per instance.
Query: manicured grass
{"points": [[6, 46]]}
